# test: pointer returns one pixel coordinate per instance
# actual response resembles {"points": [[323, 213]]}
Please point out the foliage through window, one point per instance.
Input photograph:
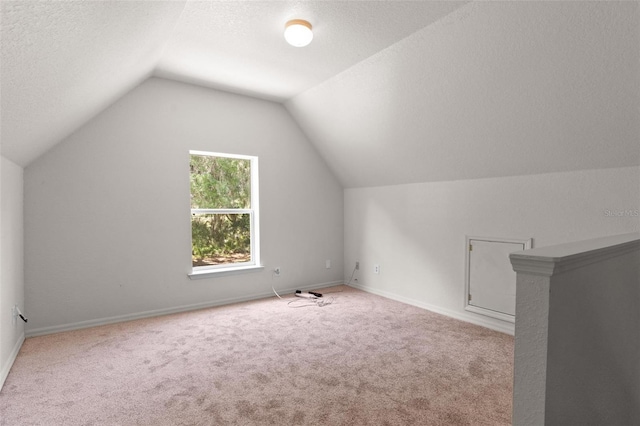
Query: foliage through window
{"points": [[223, 210]]}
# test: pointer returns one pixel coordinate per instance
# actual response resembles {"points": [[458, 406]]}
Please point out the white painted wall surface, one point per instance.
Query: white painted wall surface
{"points": [[11, 266], [107, 211], [416, 232]]}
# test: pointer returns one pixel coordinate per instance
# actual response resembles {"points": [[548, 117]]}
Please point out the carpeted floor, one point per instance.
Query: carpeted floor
{"points": [[362, 360]]}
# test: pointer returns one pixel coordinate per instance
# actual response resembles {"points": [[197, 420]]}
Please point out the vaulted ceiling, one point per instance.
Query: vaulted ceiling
{"points": [[388, 91]]}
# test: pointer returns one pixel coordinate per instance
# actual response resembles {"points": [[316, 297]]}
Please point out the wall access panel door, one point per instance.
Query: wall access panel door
{"points": [[491, 281]]}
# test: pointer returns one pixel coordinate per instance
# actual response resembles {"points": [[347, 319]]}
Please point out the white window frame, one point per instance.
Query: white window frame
{"points": [[254, 214]]}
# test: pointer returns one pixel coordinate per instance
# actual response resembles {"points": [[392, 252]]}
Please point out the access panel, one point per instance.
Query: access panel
{"points": [[491, 281]]}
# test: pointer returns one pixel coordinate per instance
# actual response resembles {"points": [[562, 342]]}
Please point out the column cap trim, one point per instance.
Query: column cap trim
{"points": [[554, 260]]}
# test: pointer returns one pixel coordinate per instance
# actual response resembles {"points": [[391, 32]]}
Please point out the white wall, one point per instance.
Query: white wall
{"points": [[107, 211], [11, 266], [416, 232]]}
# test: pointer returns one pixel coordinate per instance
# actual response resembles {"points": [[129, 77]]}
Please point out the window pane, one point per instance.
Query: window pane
{"points": [[220, 182], [219, 239]]}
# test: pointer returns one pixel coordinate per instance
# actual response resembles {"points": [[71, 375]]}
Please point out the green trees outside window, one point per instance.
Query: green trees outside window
{"points": [[221, 211]]}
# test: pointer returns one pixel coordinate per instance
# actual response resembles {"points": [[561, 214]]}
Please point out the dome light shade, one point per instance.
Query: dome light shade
{"points": [[298, 32]]}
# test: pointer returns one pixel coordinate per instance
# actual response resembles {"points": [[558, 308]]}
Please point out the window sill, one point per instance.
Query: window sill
{"points": [[223, 272]]}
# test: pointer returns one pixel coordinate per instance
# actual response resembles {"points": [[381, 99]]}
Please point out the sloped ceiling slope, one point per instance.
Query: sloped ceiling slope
{"points": [[64, 62], [493, 89], [238, 45]]}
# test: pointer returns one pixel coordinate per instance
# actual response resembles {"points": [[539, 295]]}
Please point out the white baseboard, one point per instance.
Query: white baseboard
{"points": [[507, 328], [4, 372], [167, 311]]}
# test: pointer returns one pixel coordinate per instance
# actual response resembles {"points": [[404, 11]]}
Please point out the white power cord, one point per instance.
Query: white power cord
{"points": [[319, 302], [352, 274], [274, 290], [308, 300]]}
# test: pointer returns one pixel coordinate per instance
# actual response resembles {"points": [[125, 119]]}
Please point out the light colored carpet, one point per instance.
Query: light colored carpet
{"points": [[363, 360]]}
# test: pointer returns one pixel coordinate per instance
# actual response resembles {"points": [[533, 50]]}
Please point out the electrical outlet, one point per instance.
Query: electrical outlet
{"points": [[376, 269], [327, 264], [357, 265], [14, 314], [276, 271]]}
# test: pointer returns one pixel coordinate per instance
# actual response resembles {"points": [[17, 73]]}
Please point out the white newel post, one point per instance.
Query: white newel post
{"points": [[577, 333]]}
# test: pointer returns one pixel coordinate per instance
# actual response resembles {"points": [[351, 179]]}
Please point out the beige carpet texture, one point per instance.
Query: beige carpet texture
{"points": [[359, 360]]}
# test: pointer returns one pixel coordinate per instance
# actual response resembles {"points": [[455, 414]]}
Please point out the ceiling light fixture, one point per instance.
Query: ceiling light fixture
{"points": [[298, 32]]}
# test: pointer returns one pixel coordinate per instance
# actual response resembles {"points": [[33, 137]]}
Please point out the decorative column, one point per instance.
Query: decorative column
{"points": [[577, 333]]}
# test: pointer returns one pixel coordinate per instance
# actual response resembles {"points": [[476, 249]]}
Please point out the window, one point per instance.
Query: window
{"points": [[224, 212]]}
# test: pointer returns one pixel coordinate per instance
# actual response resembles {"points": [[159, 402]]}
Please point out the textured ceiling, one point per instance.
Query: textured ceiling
{"points": [[238, 45], [493, 89], [389, 92], [64, 62]]}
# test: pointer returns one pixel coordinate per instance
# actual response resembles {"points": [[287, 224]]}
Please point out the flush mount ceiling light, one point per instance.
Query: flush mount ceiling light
{"points": [[298, 32]]}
